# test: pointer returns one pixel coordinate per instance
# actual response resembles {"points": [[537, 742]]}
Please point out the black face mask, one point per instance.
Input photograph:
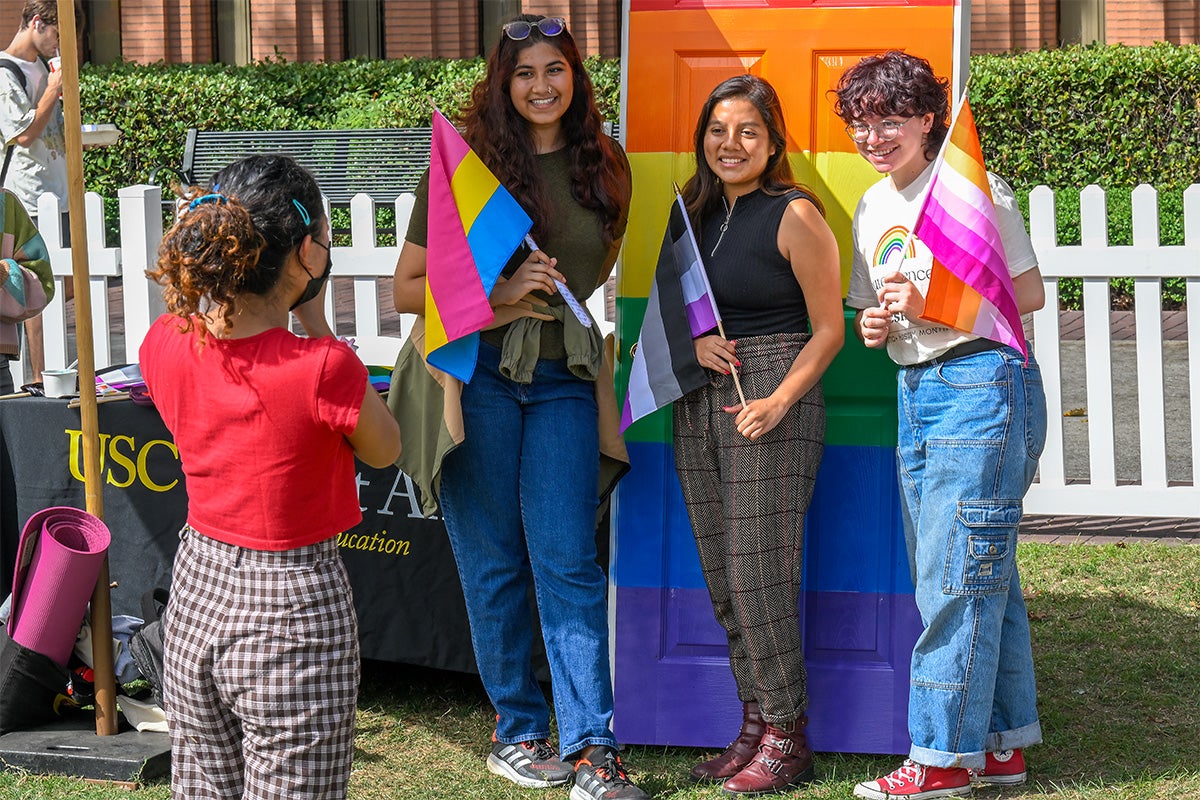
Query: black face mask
{"points": [[313, 288]]}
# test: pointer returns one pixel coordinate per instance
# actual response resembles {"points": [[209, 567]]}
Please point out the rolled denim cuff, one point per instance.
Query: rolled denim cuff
{"points": [[938, 758], [1015, 739]]}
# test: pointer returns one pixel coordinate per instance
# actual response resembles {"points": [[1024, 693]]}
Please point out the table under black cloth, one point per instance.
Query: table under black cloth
{"points": [[406, 588]]}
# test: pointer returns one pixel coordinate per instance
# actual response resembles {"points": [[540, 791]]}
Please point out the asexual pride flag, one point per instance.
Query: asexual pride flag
{"points": [[680, 307]]}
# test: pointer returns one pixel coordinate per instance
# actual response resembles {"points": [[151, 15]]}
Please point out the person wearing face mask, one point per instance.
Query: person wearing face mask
{"points": [[261, 659], [520, 493]]}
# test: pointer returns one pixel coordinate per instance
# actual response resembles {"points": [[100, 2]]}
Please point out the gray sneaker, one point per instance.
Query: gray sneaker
{"points": [[602, 777], [534, 764]]}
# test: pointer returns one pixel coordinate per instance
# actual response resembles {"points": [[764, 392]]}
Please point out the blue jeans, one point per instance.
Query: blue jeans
{"points": [[971, 431], [519, 498]]}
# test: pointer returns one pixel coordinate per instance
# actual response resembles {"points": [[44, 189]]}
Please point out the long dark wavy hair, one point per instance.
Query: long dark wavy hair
{"points": [[895, 84], [237, 241], [500, 136], [702, 194]]}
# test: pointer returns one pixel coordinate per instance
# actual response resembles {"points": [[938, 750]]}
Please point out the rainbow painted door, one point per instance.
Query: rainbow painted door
{"points": [[672, 678]]}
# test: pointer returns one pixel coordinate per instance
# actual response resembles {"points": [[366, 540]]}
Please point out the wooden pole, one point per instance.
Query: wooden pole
{"points": [[737, 384], [102, 656]]}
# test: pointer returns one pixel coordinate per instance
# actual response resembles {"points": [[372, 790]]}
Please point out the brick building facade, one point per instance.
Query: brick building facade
{"points": [[1002, 25], [238, 31]]}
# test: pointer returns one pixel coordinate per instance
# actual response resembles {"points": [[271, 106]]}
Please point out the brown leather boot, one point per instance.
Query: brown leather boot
{"points": [[739, 752], [784, 760]]}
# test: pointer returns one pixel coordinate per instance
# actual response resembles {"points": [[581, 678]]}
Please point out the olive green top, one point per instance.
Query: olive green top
{"points": [[576, 239]]}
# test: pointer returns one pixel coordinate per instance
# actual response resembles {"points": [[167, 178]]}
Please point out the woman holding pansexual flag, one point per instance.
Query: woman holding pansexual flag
{"points": [[946, 302], [747, 469], [519, 493]]}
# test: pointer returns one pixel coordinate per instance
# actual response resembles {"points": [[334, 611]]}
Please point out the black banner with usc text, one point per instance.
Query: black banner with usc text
{"points": [[406, 588]]}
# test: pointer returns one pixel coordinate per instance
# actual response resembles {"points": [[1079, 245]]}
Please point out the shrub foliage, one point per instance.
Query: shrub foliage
{"points": [[1114, 116]]}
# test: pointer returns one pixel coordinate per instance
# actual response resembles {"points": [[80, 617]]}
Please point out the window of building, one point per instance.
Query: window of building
{"points": [[231, 31], [364, 26], [493, 14], [1080, 21]]}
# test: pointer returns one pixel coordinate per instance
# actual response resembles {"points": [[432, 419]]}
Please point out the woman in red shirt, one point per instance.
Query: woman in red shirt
{"points": [[261, 660]]}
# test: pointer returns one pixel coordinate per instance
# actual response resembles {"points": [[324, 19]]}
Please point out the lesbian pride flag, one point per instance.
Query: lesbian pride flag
{"points": [[969, 288], [475, 226], [680, 308]]}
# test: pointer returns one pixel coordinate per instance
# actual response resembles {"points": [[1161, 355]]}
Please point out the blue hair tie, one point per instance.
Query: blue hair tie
{"points": [[303, 212], [215, 197]]}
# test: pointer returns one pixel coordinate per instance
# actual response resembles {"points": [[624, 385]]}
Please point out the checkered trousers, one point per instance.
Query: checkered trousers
{"points": [[261, 671], [747, 501]]}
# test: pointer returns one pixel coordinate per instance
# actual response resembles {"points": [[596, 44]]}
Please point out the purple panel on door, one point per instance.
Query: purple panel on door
{"points": [[673, 684]]}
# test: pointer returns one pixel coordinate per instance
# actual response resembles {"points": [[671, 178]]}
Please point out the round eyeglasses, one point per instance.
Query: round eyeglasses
{"points": [[548, 26], [885, 131]]}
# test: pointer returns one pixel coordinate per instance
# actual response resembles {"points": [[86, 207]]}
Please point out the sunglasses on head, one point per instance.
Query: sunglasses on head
{"points": [[548, 26]]}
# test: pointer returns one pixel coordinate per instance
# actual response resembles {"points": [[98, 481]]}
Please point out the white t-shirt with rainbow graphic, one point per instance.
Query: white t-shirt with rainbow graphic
{"points": [[881, 225]]}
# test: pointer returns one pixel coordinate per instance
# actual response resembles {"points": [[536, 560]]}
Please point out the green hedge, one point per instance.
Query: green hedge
{"points": [[1114, 116], [155, 105], [1111, 115]]}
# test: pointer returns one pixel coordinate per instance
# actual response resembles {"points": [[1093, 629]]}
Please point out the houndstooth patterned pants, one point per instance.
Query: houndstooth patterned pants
{"points": [[261, 671], [747, 501]]}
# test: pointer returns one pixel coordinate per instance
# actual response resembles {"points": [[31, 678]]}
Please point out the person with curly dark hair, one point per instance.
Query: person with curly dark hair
{"points": [[261, 654], [972, 424], [748, 471], [520, 494]]}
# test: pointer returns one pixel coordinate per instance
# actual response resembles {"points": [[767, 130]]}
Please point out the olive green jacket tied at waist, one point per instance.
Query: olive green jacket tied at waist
{"points": [[428, 402]]}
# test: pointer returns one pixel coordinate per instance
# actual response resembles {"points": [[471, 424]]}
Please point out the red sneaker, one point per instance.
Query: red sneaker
{"points": [[917, 782], [1005, 768]]}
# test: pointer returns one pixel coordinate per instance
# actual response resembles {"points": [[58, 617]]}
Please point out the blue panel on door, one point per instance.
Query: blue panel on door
{"points": [[853, 543]]}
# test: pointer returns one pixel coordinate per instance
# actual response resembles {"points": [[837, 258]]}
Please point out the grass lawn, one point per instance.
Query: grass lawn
{"points": [[1116, 636]]}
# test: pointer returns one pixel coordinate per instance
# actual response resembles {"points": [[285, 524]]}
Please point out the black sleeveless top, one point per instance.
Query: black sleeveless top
{"points": [[753, 284]]}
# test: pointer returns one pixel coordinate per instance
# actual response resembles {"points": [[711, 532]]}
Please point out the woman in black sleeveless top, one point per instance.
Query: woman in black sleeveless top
{"points": [[747, 471]]}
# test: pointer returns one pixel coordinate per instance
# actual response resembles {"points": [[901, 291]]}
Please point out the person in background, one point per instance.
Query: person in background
{"points": [[31, 130], [747, 471], [26, 283], [520, 494], [261, 658], [972, 426]]}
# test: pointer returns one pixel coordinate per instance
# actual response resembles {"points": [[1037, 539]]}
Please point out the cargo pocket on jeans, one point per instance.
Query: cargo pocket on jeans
{"points": [[982, 547]]}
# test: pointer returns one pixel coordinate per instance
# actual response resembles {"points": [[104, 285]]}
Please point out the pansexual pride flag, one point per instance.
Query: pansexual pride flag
{"points": [[969, 287], [475, 226], [680, 307]]}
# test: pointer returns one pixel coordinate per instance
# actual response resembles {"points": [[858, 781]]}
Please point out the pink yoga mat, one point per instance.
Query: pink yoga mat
{"points": [[58, 561]]}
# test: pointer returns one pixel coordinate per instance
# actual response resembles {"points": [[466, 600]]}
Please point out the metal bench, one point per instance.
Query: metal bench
{"points": [[383, 163], [380, 162]]}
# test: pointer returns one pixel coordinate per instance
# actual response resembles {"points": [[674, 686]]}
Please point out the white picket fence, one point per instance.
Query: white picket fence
{"points": [[1155, 493], [1095, 261]]}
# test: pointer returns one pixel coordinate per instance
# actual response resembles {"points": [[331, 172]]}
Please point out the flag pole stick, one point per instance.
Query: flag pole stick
{"points": [[737, 384], [101, 606]]}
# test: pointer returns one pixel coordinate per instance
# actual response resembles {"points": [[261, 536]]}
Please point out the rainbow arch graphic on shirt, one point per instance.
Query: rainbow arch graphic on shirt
{"points": [[891, 246]]}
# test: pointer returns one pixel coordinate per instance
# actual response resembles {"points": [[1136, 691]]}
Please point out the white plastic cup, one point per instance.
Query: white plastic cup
{"points": [[59, 382], [56, 64]]}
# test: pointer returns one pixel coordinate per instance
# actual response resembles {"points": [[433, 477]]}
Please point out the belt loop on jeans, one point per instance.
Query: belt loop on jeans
{"points": [[980, 345]]}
